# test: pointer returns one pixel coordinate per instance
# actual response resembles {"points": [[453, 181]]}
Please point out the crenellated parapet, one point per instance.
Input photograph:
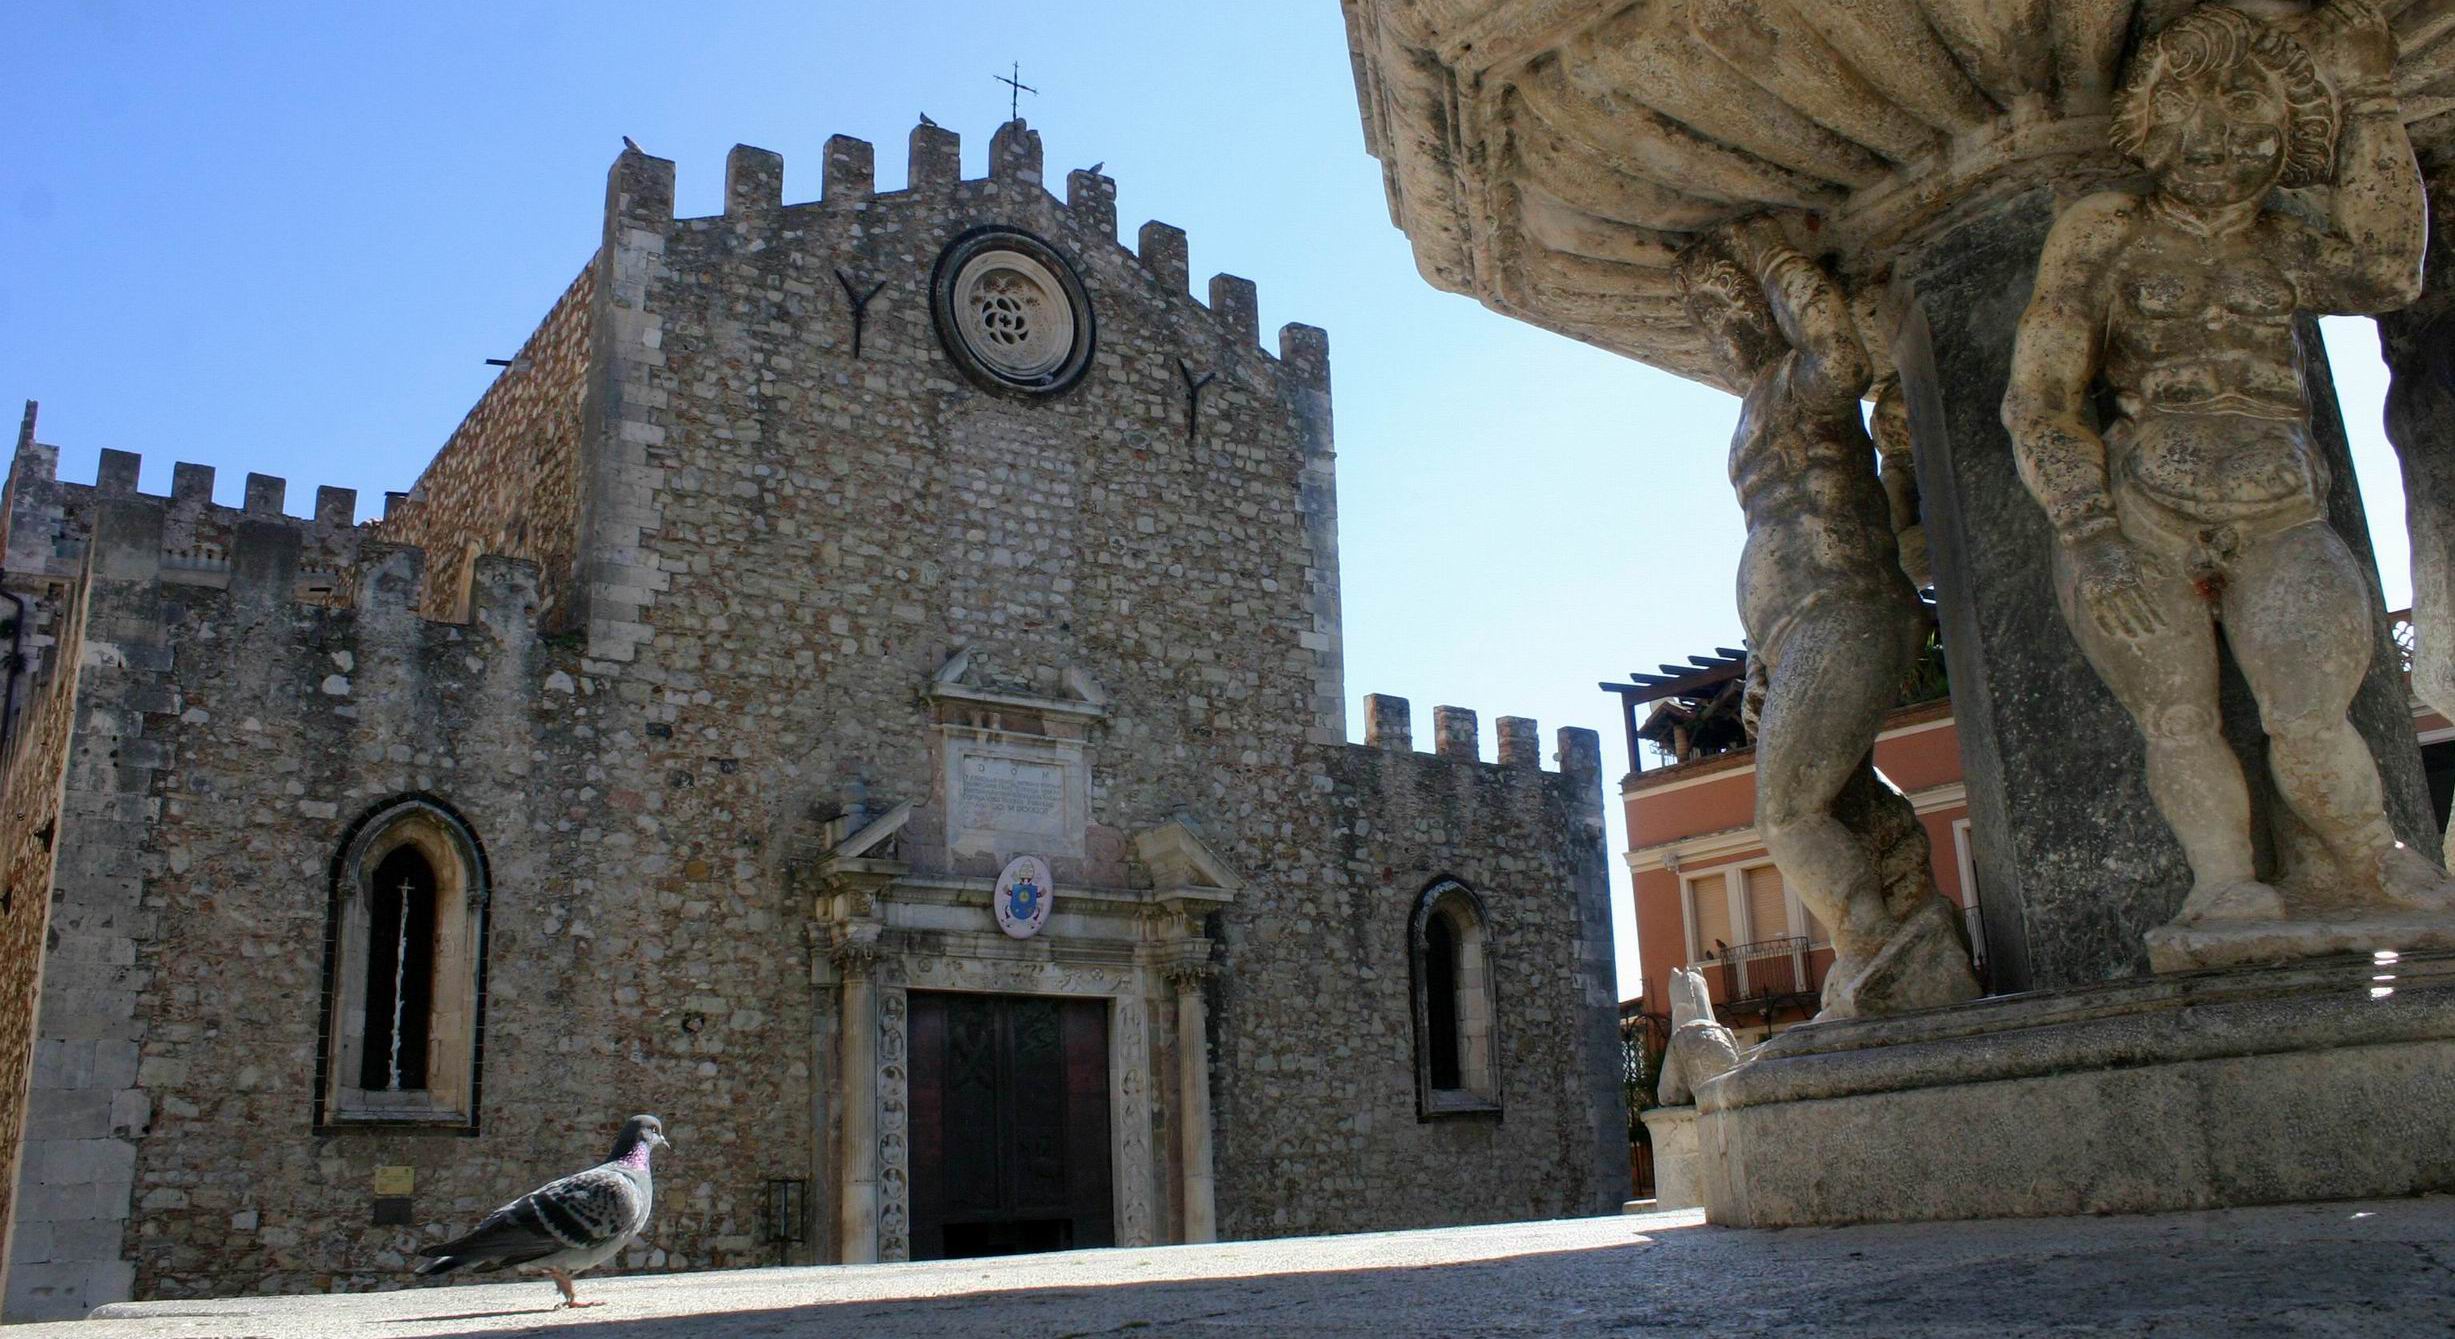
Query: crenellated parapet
{"points": [[732, 353], [641, 193], [52, 523], [184, 554], [1456, 737]]}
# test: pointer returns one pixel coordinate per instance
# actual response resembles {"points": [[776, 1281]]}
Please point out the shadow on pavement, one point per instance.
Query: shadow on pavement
{"points": [[2075, 1277]]}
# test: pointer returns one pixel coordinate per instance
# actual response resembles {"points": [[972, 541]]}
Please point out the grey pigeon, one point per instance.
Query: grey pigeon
{"points": [[926, 121], [566, 1226]]}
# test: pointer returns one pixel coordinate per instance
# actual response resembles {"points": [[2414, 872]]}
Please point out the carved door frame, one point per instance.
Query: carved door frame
{"points": [[1133, 1160]]}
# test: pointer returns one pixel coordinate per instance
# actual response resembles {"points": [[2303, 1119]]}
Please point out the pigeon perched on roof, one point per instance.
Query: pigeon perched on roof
{"points": [[565, 1226]]}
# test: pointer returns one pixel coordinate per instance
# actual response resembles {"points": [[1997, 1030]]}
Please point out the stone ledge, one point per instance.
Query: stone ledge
{"points": [[2145, 1021], [2205, 1090]]}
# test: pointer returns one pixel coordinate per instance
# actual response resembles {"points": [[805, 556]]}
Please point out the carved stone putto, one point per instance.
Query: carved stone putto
{"points": [[1833, 626], [2198, 509]]}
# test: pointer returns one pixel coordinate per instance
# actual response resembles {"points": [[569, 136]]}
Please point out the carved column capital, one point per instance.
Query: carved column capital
{"points": [[1190, 972], [855, 957]]}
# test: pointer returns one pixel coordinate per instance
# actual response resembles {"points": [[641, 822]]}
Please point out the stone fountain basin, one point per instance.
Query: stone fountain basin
{"points": [[1551, 157]]}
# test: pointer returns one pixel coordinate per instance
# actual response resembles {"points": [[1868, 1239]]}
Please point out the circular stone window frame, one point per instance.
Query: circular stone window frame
{"points": [[980, 243]]}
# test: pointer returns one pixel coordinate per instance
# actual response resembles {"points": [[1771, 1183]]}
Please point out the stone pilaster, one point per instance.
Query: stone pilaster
{"points": [[622, 419], [1193, 1097], [857, 961]]}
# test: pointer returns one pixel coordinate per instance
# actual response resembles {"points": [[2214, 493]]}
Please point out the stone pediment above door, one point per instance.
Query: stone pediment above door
{"points": [[1189, 880], [1183, 866], [968, 689]]}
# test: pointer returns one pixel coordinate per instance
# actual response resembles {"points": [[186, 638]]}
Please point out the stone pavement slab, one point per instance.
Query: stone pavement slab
{"points": [[2381, 1268]]}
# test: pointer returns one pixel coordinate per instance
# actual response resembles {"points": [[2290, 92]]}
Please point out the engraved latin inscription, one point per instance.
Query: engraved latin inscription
{"points": [[1009, 795]]}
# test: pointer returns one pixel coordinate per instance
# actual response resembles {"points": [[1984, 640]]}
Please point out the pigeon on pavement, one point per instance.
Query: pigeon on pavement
{"points": [[565, 1226]]}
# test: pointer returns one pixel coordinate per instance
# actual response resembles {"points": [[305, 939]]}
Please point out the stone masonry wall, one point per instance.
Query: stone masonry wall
{"points": [[1317, 1118], [508, 481], [86, 1107], [30, 797], [614, 980], [831, 529], [780, 544], [804, 537]]}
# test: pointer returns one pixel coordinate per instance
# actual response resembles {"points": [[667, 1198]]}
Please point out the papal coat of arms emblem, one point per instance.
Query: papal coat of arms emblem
{"points": [[1023, 896]]}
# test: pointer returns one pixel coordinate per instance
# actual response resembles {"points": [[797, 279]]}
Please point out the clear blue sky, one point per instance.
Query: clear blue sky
{"points": [[283, 237]]}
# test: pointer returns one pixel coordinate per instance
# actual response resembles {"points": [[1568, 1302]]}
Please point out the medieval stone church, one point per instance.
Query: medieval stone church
{"points": [[864, 685]]}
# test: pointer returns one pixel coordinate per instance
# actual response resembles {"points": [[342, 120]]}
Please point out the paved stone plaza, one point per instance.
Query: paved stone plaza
{"points": [[2379, 1268]]}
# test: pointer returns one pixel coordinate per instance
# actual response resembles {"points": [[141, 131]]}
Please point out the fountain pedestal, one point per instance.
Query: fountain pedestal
{"points": [[2187, 1091]]}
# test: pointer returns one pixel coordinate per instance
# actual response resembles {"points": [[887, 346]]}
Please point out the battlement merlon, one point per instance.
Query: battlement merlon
{"points": [[29, 502], [754, 182], [1092, 196], [851, 171], [1014, 154], [1389, 728]]}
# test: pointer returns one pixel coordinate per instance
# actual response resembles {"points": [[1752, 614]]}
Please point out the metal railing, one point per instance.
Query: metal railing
{"points": [[1766, 975]]}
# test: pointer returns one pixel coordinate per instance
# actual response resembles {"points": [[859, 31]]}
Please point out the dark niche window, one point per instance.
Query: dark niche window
{"points": [[1457, 1018], [400, 973], [1441, 1001], [405, 972]]}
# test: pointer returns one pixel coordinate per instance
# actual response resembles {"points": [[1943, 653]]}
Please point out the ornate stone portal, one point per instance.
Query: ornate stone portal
{"points": [[1564, 164], [1141, 952]]}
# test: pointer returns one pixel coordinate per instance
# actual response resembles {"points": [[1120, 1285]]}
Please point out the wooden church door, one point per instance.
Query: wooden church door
{"points": [[1009, 1125]]}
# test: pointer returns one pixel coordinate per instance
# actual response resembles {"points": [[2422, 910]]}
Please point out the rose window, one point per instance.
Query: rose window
{"points": [[1012, 312]]}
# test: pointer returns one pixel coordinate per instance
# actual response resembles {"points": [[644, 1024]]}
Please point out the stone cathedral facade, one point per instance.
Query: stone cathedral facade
{"points": [[674, 745]]}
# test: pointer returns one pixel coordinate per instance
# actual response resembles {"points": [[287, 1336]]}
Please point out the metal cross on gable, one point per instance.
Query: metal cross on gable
{"points": [[1015, 89]]}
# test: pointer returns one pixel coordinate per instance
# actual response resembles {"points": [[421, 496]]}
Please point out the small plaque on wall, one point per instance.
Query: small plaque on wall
{"points": [[396, 1180], [1012, 791]]}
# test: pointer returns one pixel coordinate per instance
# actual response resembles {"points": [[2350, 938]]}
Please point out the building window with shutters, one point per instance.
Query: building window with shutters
{"points": [[1754, 940], [404, 972], [1457, 1019], [1706, 899]]}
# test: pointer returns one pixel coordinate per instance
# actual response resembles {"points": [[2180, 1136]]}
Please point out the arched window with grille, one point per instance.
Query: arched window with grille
{"points": [[405, 971], [1457, 1018]]}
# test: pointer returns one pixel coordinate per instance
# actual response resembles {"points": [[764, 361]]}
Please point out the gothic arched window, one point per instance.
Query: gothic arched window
{"points": [[1457, 1020], [405, 973]]}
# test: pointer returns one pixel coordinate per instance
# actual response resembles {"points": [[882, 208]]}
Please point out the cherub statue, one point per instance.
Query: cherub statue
{"points": [[1833, 626], [2201, 504], [1701, 1048]]}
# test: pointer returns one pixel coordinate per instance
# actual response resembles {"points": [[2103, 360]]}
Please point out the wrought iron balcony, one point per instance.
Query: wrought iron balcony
{"points": [[1766, 977]]}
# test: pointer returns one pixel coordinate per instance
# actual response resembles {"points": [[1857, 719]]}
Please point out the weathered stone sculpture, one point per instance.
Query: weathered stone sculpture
{"points": [[1560, 163], [1701, 1048], [2419, 345], [2202, 501], [1889, 425], [1832, 623]]}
